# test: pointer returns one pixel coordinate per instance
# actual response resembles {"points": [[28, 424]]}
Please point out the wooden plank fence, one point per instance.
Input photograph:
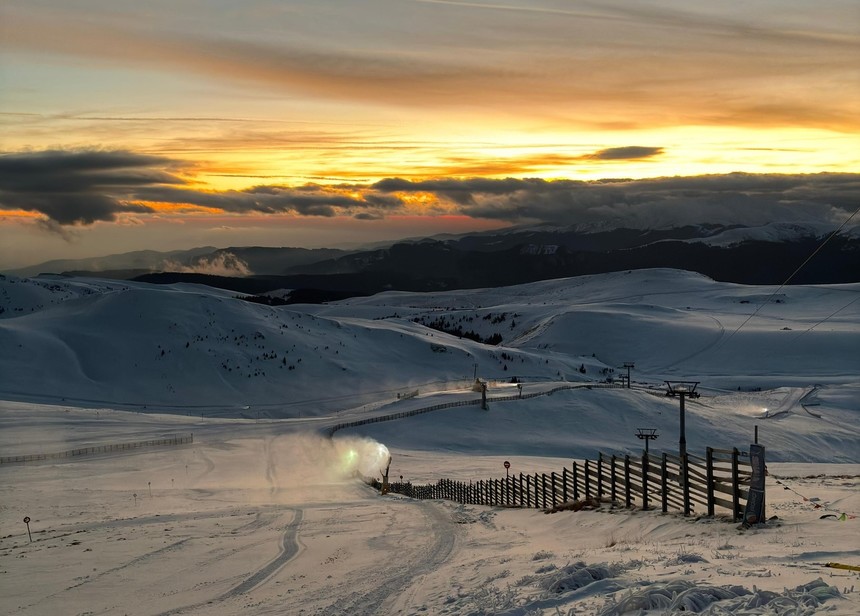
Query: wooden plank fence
{"points": [[181, 439], [720, 479]]}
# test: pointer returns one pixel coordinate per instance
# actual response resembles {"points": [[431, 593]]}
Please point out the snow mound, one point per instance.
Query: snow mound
{"points": [[680, 596]]}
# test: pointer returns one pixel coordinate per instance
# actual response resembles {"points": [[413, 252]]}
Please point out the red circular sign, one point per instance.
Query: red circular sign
{"points": [[27, 520], [507, 464]]}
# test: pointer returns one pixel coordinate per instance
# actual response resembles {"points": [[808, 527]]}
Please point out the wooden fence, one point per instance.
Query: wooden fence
{"points": [[181, 439], [720, 479]]}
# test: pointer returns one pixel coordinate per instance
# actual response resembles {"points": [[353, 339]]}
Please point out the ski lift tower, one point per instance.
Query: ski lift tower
{"points": [[628, 365], [646, 434], [683, 389]]}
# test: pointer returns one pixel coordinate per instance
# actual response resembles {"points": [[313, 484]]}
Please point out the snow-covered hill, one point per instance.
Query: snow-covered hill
{"points": [[265, 516], [193, 350]]}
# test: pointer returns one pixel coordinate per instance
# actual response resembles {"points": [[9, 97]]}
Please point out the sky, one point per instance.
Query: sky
{"points": [[172, 124]]}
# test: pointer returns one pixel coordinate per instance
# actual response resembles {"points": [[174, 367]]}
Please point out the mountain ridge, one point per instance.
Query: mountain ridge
{"points": [[749, 255]]}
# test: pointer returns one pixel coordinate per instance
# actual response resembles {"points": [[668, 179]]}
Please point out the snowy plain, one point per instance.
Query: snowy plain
{"points": [[264, 514]]}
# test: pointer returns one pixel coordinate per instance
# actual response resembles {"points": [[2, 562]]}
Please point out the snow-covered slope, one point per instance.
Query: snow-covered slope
{"points": [[264, 516], [188, 346], [774, 232]]}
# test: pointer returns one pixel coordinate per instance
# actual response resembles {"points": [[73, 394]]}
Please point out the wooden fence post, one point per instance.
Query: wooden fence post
{"points": [[528, 491], [554, 498], [613, 487], [685, 474], [564, 484], [664, 487], [575, 483], [709, 473], [644, 482], [599, 475], [543, 488], [627, 480], [521, 489], [587, 482], [736, 487]]}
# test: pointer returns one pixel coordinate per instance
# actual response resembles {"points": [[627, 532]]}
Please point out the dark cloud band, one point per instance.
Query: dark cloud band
{"points": [[82, 187]]}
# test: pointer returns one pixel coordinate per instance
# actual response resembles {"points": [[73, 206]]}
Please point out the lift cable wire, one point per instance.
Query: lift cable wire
{"points": [[825, 319], [787, 280]]}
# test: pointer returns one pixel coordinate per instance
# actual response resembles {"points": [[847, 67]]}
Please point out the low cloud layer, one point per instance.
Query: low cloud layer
{"points": [[737, 198], [81, 187]]}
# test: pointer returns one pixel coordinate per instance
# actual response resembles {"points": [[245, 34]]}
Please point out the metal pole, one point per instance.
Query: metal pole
{"points": [[682, 442]]}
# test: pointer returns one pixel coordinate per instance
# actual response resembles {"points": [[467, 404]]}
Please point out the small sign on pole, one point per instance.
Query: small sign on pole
{"points": [[507, 466], [27, 522]]}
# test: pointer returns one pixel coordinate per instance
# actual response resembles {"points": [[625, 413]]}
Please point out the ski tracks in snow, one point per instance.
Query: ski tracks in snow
{"points": [[398, 581], [289, 550]]}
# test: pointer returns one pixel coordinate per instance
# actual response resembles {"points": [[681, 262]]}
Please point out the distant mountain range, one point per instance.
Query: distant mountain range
{"points": [[748, 255]]}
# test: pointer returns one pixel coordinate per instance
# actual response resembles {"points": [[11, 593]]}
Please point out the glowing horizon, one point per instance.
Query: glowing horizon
{"points": [[183, 116]]}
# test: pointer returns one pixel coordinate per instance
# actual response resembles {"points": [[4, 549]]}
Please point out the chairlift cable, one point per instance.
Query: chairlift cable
{"points": [[793, 274], [825, 319]]}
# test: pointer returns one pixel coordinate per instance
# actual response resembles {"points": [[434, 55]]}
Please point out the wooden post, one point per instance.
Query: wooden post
{"points": [[736, 487], [599, 475], [564, 484], [521, 489], [543, 487], [554, 498], [685, 473], [709, 473], [664, 487], [627, 480], [575, 483], [528, 491], [587, 481], [613, 487], [645, 481]]}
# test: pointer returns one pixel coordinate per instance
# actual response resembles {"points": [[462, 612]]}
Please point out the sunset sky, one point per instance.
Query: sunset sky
{"points": [[169, 124]]}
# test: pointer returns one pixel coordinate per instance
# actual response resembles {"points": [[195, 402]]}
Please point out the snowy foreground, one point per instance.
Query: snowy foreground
{"points": [[263, 514], [257, 518]]}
